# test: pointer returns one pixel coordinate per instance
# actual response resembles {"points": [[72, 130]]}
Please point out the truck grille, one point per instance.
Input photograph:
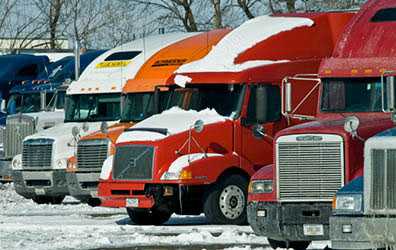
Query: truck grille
{"points": [[133, 162], [383, 175], [309, 170], [37, 153], [92, 153], [17, 128]]}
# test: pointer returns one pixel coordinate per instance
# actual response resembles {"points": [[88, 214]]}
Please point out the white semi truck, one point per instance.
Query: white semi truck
{"points": [[39, 172]]}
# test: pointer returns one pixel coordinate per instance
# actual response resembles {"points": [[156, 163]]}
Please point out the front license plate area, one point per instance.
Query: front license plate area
{"points": [[132, 202], [313, 230], [39, 191]]}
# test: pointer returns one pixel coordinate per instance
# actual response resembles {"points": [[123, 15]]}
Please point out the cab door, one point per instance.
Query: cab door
{"points": [[260, 123]]}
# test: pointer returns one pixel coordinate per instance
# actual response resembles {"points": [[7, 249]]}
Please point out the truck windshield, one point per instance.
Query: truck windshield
{"points": [[226, 99], [57, 101], [139, 106], [24, 103], [91, 108], [351, 95]]}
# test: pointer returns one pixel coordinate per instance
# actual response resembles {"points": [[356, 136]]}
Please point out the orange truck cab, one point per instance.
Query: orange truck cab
{"points": [[137, 104], [200, 160]]}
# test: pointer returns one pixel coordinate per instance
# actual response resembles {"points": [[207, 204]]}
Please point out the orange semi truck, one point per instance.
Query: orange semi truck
{"points": [[200, 160], [137, 104]]}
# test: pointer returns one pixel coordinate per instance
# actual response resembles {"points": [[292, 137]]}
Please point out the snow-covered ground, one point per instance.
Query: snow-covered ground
{"points": [[26, 225]]}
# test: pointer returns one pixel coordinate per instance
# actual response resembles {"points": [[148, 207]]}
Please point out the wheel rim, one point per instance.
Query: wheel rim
{"points": [[232, 202]]}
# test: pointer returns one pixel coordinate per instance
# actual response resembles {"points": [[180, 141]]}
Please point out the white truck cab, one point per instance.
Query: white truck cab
{"points": [[91, 101]]}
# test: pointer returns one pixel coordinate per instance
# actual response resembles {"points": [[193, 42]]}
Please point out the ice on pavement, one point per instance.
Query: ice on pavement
{"points": [[26, 225], [222, 56]]}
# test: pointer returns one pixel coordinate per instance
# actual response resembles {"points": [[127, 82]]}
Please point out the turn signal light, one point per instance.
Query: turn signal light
{"points": [[185, 175], [334, 203]]}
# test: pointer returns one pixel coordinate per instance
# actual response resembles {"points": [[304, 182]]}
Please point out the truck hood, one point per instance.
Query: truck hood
{"points": [[113, 132], [47, 119], [169, 122], [64, 142], [369, 125]]}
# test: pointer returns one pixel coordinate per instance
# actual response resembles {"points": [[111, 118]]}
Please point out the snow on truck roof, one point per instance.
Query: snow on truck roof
{"points": [[367, 47], [222, 57], [159, 68], [109, 72], [266, 41]]}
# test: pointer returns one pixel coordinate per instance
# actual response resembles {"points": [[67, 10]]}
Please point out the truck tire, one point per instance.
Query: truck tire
{"points": [[55, 200], [225, 202], [296, 245], [148, 216]]}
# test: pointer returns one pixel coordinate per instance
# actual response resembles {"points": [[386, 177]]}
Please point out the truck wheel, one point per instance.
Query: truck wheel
{"points": [[56, 200], [296, 245], [148, 216], [225, 202]]}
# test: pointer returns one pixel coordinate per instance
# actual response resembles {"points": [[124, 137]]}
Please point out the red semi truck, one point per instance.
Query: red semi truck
{"points": [[195, 161], [290, 201]]}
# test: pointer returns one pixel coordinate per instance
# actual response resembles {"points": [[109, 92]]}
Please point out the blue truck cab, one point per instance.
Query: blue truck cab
{"points": [[16, 69], [35, 105]]}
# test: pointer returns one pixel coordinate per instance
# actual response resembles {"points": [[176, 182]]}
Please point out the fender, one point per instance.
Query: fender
{"points": [[265, 173], [207, 170]]}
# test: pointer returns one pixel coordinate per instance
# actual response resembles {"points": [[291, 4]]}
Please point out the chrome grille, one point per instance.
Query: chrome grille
{"points": [[37, 153], [92, 153], [17, 128], [133, 162], [309, 170], [383, 176]]}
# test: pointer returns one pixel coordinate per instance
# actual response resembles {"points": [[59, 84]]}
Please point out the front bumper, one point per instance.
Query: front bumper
{"points": [[40, 183], [285, 222], [5, 170], [83, 186], [114, 194], [366, 232]]}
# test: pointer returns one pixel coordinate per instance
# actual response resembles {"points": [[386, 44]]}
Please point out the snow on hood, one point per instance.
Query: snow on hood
{"points": [[175, 120], [222, 56]]}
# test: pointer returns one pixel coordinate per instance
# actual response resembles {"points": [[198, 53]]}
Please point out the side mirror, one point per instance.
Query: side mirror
{"points": [[43, 100], [351, 125], [67, 81], [258, 131], [388, 94], [3, 106], [75, 131], [199, 126], [261, 104], [288, 97], [104, 127]]}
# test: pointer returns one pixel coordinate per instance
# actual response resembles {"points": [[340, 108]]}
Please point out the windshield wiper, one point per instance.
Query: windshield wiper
{"points": [[163, 131]]}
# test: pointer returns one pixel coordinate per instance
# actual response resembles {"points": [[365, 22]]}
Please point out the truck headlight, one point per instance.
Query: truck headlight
{"points": [[260, 187], [174, 176], [350, 203], [61, 163], [106, 168], [16, 163]]}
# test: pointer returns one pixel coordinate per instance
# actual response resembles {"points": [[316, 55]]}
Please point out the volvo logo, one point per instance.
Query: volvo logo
{"points": [[132, 163], [309, 138]]}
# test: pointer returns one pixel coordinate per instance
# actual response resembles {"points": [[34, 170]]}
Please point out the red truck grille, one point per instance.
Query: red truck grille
{"points": [[310, 167], [133, 162]]}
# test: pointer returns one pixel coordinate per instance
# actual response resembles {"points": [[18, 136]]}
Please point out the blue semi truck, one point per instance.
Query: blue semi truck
{"points": [[36, 104]]}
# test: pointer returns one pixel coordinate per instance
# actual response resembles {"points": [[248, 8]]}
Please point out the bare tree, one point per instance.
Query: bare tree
{"points": [[179, 10], [246, 6], [217, 17], [52, 15], [86, 18]]}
